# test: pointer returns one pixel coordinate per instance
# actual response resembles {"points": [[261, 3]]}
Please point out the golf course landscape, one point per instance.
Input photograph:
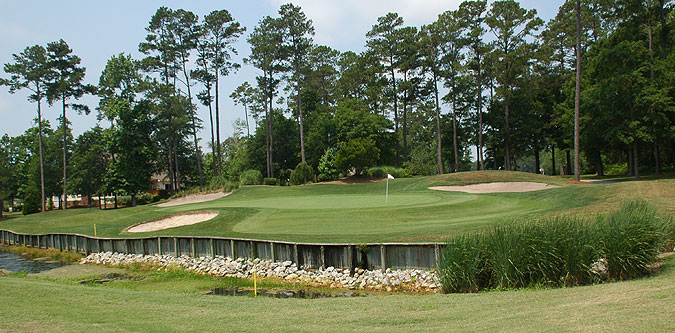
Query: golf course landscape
{"points": [[342, 213], [359, 212]]}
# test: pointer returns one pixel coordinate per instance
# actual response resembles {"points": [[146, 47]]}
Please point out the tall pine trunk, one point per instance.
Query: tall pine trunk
{"points": [[65, 153], [553, 173], [302, 127], [507, 141], [213, 143], [395, 92], [454, 125], [405, 119], [636, 164], [537, 163], [42, 168], [480, 117], [194, 129], [439, 159], [220, 163], [577, 97]]}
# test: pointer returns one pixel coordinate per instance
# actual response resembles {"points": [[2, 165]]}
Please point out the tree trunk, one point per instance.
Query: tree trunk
{"points": [[577, 97], [198, 153], [600, 169], [248, 128], [42, 168], [176, 169], [213, 143], [133, 200], [398, 148], [568, 167], [115, 200], [172, 183], [99, 201], [454, 128], [636, 165], [2, 202], [220, 164], [271, 128], [553, 173], [480, 117], [537, 164], [65, 152], [439, 159], [405, 120], [302, 127], [267, 139], [507, 153]]}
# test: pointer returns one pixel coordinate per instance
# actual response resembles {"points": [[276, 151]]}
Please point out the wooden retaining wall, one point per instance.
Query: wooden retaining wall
{"points": [[314, 255]]}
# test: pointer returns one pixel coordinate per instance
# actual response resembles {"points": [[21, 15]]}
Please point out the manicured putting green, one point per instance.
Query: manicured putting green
{"points": [[341, 201]]}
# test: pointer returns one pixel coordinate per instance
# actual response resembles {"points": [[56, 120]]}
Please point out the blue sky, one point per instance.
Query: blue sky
{"points": [[96, 30]]}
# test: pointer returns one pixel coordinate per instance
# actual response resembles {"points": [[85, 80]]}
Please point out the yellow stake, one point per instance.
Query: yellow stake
{"points": [[94, 230], [255, 284]]}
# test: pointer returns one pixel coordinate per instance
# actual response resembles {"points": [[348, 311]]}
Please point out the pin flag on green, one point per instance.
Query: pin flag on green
{"points": [[386, 196]]}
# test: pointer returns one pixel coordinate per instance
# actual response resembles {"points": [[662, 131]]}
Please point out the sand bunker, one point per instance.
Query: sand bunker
{"points": [[193, 199], [176, 220], [496, 187]]}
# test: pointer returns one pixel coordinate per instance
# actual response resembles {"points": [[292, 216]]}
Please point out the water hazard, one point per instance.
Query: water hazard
{"points": [[274, 293], [17, 263]]}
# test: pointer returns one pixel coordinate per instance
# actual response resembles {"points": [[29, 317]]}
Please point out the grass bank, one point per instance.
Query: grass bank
{"points": [[47, 304]]}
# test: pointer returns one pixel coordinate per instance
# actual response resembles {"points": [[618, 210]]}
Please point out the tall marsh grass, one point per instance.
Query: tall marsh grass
{"points": [[561, 251]]}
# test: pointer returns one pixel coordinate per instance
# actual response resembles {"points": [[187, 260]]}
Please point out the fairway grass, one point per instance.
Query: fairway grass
{"points": [[359, 213], [46, 304]]}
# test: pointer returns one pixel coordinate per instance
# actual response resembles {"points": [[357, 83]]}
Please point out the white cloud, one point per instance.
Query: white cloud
{"points": [[343, 24]]}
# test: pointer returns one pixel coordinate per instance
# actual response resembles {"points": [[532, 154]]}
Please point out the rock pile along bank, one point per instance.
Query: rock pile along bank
{"points": [[389, 280]]}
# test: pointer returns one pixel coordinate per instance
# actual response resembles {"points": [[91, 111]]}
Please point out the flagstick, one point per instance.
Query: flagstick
{"points": [[386, 196]]}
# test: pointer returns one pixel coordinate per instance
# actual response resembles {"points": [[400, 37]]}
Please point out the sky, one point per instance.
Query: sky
{"points": [[97, 30]]}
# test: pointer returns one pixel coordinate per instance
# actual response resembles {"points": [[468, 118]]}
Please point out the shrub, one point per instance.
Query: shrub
{"points": [[217, 182], [327, 168], [271, 181], [230, 186], [563, 251], [251, 177], [357, 154], [302, 174], [382, 171], [31, 202], [146, 198]]}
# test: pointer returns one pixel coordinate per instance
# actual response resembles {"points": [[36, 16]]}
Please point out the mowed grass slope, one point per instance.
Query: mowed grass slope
{"points": [[643, 305], [357, 212]]}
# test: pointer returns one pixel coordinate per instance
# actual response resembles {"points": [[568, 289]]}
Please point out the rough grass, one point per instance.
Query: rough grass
{"points": [[170, 303], [358, 212], [558, 252]]}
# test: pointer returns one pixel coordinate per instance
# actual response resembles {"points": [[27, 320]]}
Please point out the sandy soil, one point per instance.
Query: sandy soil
{"points": [[193, 199], [496, 187], [173, 221]]}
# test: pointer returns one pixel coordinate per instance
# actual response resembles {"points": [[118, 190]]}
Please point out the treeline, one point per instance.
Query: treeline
{"points": [[491, 77]]}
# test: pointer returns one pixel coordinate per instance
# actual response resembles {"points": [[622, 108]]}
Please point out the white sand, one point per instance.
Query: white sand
{"points": [[193, 199], [496, 187], [174, 221]]}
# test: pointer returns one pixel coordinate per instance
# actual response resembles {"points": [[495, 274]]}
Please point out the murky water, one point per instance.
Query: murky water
{"points": [[17, 263], [235, 291]]}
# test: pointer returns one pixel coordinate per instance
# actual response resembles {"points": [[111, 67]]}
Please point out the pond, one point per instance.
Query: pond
{"points": [[275, 293], [17, 263]]}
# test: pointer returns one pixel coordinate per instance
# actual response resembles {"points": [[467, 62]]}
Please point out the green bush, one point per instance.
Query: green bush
{"points": [[327, 168], [230, 186], [251, 177], [271, 181], [618, 169], [124, 201], [31, 202], [382, 171], [217, 182], [302, 174], [562, 251], [146, 198]]}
